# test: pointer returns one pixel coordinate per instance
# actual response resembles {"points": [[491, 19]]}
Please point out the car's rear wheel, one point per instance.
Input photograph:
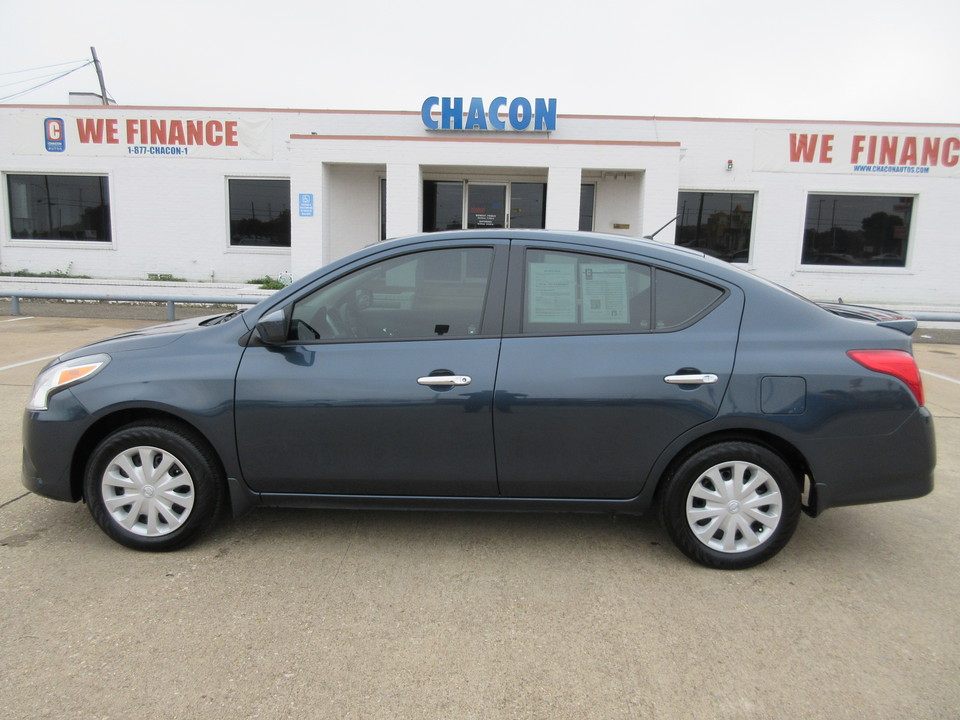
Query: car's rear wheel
{"points": [[153, 486], [731, 505]]}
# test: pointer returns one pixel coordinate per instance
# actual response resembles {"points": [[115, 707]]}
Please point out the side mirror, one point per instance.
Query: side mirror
{"points": [[273, 328]]}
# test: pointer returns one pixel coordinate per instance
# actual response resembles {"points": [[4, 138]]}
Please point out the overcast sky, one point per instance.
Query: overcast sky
{"points": [[807, 59]]}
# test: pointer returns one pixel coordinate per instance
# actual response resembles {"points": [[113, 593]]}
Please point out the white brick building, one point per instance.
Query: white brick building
{"points": [[863, 211]]}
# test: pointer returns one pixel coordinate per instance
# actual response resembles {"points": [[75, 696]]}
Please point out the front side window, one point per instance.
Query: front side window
{"points": [[260, 213], [59, 207], [431, 294], [716, 224], [871, 230], [573, 293]]}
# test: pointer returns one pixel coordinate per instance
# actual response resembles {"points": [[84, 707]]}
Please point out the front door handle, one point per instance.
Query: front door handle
{"points": [[445, 380], [692, 379]]}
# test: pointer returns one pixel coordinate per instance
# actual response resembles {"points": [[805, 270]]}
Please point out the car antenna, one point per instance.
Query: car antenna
{"points": [[653, 235]]}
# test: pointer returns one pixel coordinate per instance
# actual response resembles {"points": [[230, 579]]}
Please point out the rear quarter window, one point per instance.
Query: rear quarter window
{"points": [[680, 300]]}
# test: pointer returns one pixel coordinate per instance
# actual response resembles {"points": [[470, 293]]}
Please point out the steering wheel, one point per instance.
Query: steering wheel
{"points": [[350, 314], [333, 321]]}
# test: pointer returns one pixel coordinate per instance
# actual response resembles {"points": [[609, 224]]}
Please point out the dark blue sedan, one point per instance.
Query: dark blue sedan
{"points": [[496, 370]]}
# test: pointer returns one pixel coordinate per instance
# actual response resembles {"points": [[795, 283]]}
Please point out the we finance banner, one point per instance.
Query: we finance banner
{"points": [[861, 151], [143, 135]]}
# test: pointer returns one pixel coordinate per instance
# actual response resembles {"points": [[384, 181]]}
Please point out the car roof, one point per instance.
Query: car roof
{"points": [[649, 249], [623, 243]]}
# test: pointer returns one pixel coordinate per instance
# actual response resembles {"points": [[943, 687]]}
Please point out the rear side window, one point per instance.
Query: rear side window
{"points": [[569, 292], [575, 293], [680, 299]]}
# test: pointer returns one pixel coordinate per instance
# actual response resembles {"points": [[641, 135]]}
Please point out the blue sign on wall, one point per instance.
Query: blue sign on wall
{"points": [[521, 114], [306, 204]]}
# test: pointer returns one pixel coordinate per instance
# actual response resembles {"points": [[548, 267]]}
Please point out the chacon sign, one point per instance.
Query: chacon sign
{"points": [[518, 114]]}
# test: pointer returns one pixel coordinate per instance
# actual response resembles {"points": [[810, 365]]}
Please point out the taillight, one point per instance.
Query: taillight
{"points": [[898, 363]]}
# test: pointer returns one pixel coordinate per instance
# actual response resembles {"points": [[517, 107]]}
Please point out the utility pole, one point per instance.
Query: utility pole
{"points": [[96, 64]]}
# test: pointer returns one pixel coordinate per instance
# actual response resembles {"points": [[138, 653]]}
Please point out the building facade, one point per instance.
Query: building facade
{"points": [[862, 211]]}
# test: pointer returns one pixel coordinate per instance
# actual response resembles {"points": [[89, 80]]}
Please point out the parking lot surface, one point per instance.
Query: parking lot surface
{"points": [[342, 614]]}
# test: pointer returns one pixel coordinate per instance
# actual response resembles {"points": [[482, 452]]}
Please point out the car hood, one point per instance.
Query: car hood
{"points": [[146, 338]]}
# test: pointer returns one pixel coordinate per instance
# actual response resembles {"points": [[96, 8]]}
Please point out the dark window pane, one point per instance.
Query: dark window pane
{"points": [[528, 207], [433, 294], [442, 205], [59, 207], [857, 230], [573, 293], [260, 213], [716, 224], [383, 208], [679, 299], [587, 194], [486, 206]]}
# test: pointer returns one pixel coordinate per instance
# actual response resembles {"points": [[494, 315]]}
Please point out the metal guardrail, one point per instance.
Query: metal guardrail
{"points": [[170, 300], [935, 316]]}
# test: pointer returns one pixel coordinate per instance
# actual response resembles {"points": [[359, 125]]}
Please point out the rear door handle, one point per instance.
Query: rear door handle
{"points": [[445, 380], [692, 379]]}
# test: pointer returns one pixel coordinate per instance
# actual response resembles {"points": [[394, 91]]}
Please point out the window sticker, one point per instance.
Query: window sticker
{"points": [[604, 288], [552, 293]]}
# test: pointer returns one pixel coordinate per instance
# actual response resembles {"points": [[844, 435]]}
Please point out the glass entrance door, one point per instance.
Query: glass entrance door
{"points": [[486, 206], [453, 205]]}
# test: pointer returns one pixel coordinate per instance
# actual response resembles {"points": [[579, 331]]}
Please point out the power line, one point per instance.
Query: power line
{"points": [[44, 67], [35, 78], [43, 84]]}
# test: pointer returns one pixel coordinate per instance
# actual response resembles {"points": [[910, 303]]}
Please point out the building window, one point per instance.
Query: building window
{"points": [[588, 195], [717, 224], [59, 207], [260, 213], [442, 205], [857, 230], [383, 208], [528, 205]]}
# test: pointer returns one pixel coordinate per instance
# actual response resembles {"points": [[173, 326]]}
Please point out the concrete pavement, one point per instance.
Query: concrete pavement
{"points": [[317, 614]]}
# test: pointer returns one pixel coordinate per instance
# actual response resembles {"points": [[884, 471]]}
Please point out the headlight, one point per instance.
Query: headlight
{"points": [[63, 375]]}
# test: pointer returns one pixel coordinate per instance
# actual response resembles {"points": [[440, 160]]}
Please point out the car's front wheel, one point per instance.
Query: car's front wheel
{"points": [[153, 486], [731, 505]]}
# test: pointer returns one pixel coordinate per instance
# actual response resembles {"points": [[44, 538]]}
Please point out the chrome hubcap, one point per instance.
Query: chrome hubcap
{"points": [[147, 491], [734, 507]]}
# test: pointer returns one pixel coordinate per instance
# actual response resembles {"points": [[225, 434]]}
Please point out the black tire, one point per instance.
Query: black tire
{"points": [[172, 478], [731, 506]]}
